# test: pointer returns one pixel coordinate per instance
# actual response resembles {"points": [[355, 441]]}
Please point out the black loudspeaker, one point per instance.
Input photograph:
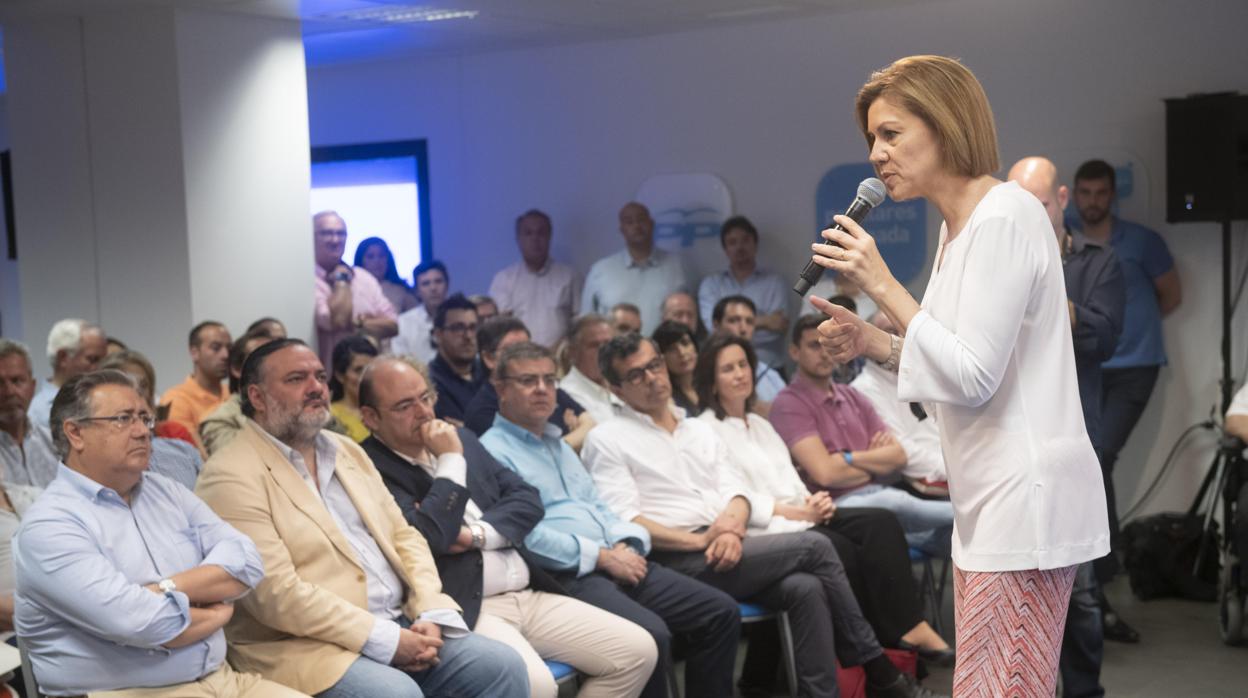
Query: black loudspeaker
{"points": [[1207, 158]]}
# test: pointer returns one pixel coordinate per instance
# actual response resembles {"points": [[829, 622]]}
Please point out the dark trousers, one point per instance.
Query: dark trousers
{"points": [[802, 574], [666, 602], [1083, 641], [1124, 395], [873, 549]]}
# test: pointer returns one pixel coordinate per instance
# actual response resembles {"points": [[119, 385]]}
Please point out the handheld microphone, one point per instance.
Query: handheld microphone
{"points": [[870, 195]]}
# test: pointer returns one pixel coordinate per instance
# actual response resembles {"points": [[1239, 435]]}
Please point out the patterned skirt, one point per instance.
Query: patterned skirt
{"points": [[1009, 631]]}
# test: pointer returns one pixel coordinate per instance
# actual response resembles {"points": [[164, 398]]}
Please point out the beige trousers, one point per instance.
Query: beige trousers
{"points": [[222, 683], [615, 654]]}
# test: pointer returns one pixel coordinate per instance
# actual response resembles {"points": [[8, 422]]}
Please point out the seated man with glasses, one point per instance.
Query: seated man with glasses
{"points": [[495, 335], [456, 370], [656, 467], [475, 514], [124, 578]]}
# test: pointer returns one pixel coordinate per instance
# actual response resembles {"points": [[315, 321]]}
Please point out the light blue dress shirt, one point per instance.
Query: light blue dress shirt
{"points": [[83, 556], [769, 293], [618, 278], [577, 523], [40, 409], [177, 460]]}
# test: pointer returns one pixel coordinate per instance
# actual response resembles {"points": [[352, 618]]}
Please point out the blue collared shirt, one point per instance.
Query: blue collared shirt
{"points": [[577, 523], [83, 556], [619, 278], [769, 293], [1144, 257]]}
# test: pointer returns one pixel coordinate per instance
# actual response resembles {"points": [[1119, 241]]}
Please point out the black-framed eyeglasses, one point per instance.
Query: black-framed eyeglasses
{"points": [[529, 381], [460, 328], [125, 420], [637, 375]]}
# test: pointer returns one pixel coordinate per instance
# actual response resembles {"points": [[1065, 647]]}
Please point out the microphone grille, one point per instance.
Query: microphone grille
{"points": [[871, 191]]}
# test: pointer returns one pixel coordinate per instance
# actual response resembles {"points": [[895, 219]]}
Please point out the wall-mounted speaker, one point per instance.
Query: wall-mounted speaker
{"points": [[1207, 158]]}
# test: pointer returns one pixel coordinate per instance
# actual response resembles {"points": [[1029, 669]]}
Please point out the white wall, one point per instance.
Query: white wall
{"points": [[574, 130], [161, 175], [243, 102]]}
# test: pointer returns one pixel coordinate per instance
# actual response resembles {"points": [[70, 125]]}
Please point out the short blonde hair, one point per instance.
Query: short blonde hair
{"points": [[947, 97]]}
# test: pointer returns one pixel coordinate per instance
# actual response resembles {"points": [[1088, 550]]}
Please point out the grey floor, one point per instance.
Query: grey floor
{"points": [[1181, 654]]}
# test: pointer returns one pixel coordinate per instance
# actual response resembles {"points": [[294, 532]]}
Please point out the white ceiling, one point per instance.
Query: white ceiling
{"points": [[499, 24]]}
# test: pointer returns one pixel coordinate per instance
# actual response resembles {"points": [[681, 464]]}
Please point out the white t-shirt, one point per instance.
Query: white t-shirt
{"points": [[415, 331], [992, 349]]}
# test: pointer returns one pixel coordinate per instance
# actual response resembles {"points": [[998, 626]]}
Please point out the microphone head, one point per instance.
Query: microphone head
{"points": [[871, 191]]}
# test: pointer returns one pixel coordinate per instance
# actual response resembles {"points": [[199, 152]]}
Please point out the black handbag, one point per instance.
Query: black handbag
{"points": [[1161, 554]]}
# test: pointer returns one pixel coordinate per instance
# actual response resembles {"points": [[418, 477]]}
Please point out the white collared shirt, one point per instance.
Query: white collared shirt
{"points": [[544, 300], [919, 438], [598, 400], [618, 278], [415, 335], [503, 569], [682, 479]]}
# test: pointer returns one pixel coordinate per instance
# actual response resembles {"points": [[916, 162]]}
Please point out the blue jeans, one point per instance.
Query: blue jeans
{"points": [[928, 523], [1083, 641], [469, 666]]}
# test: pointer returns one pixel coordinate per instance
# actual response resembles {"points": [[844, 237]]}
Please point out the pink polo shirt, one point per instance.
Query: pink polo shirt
{"points": [[367, 298], [842, 419]]}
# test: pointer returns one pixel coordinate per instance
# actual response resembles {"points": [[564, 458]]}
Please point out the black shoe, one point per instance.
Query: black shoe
{"points": [[940, 658], [1116, 629], [902, 687]]}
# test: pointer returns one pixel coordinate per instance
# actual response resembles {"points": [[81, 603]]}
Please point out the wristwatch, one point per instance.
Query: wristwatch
{"points": [[894, 354], [167, 586], [478, 536], [849, 456], [340, 276]]}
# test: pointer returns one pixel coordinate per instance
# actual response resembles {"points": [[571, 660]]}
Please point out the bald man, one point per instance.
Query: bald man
{"points": [[1096, 294], [641, 273]]}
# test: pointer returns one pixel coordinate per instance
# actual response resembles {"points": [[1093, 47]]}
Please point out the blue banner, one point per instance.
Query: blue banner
{"points": [[899, 228]]}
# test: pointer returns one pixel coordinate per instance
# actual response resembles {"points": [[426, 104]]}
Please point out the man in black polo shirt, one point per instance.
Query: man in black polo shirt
{"points": [[1096, 294]]}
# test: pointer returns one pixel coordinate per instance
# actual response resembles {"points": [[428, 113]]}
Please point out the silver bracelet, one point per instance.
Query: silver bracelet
{"points": [[894, 354]]}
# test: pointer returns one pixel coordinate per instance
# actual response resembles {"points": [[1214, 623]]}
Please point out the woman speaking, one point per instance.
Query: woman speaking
{"points": [[989, 349]]}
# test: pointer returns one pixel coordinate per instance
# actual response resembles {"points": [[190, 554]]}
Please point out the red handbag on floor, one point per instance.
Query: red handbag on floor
{"points": [[853, 681]]}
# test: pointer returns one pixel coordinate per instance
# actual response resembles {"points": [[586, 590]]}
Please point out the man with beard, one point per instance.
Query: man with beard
{"points": [[1128, 377], [352, 604], [202, 391], [26, 452]]}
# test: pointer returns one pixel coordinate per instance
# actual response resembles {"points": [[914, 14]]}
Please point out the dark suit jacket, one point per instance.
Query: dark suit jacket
{"points": [[435, 507]]}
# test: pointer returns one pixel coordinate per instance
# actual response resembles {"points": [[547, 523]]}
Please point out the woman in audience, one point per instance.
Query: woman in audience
{"points": [[269, 327], [174, 451], [373, 256], [680, 353], [870, 541], [351, 355]]}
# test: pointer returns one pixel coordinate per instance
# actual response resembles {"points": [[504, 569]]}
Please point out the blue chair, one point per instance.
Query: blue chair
{"points": [[931, 587], [753, 613], [562, 672]]}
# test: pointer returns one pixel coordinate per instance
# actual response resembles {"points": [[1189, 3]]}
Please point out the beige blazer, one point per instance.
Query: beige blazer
{"points": [[306, 622]]}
